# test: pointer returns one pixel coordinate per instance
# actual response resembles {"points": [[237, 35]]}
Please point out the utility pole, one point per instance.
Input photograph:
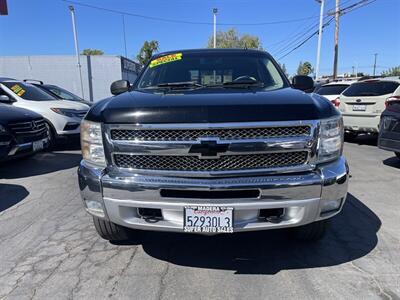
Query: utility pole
{"points": [[335, 58], [352, 72], [376, 55], [78, 59], [215, 11], [321, 15], [123, 28]]}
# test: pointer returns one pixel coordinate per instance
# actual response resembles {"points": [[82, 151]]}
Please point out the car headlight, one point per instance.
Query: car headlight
{"points": [[66, 112], [92, 143], [330, 144]]}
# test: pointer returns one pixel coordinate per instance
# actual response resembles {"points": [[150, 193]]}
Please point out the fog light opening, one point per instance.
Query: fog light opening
{"points": [[272, 215], [330, 206], [95, 208], [151, 215]]}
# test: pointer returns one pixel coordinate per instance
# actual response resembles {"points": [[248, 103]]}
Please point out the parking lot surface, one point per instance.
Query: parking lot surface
{"points": [[50, 250]]}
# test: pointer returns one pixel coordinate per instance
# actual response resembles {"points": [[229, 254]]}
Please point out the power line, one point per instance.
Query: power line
{"points": [[343, 11], [184, 21]]}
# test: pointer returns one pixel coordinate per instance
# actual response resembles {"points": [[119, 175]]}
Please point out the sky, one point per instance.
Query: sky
{"points": [[43, 27]]}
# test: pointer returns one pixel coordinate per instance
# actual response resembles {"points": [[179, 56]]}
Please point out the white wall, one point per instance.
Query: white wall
{"points": [[63, 71]]}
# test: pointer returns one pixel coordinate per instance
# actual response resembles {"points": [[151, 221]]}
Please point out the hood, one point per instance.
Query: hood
{"points": [[11, 114], [211, 106]]}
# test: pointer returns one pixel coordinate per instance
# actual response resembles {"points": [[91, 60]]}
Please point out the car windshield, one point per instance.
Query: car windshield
{"points": [[209, 69], [62, 93], [371, 88], [335, 89], [29, 92]]}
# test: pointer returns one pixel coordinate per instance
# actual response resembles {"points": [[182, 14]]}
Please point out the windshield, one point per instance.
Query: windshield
{"points": [[29, 92], [62, 93], [211, 70], [375, 88], [336, 89]]}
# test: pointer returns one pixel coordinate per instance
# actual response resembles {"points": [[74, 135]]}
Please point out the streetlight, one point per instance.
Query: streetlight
{"points": [[78, 59], [215, 11], [321, 17]]}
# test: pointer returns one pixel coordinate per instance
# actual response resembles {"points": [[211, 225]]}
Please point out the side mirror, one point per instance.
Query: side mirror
{"points": [[302, 82], [5, 99], [119, 87]]}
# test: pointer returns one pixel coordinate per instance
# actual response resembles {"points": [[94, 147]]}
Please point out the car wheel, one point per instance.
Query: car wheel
{"points": [[311, 232], [51, 136], [350, 136], [397, 154], [110, 231]]}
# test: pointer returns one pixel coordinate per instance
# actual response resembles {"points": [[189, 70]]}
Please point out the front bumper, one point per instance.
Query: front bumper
{"points": [[11, 150], [303, 197]]}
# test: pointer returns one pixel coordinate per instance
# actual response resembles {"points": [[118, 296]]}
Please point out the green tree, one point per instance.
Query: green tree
{"points": [[305, 68], [232, 39], [395, 71], [146, 52], [92, 52]]}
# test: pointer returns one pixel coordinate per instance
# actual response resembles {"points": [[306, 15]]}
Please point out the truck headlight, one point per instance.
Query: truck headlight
{"points": [[330, 145], [92, 143]]}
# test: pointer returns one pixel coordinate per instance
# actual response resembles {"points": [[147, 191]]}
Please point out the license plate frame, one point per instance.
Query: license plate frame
{"points": [[359, 107], [208, 219]]}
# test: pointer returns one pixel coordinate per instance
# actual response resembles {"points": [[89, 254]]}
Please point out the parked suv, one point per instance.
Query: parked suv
{"points": [[389, 128], [62, 117], [57, 91], [212, 141], [363, 103], [22, 132]]}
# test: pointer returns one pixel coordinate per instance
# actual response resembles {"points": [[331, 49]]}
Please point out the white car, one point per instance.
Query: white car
{"points": [[62, 117], [332, 90], [364, 101]]}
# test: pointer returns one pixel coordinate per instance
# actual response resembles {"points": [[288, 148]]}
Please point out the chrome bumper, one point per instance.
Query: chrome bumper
{"points": [[302, 196]]}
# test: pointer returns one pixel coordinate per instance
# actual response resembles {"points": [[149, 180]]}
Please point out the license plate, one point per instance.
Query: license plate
{"points": [[37, 145], [211, 219], [359, 107]]}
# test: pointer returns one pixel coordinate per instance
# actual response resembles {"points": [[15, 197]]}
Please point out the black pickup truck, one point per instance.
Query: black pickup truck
{"points": [[212, 141]]}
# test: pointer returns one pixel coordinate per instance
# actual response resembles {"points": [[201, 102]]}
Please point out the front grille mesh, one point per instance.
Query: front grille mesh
{"points": [[224, 163], [195, 134]]}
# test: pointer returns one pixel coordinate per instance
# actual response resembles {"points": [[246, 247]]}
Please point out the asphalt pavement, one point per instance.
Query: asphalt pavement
{"points": [[49, 248]]}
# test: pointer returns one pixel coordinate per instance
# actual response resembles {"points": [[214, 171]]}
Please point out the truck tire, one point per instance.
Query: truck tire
{"points": [[311, 232], [397, 154], [110, 231]]}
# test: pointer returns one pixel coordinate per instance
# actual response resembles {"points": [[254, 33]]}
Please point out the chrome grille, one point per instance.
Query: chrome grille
{"points": [[25, 132], [195, 134], [224, 163], [32, 127]]}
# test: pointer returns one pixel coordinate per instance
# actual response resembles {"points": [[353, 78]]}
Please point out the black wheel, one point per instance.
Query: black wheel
{"points": [[311, 232], [51, 136], [397, 154], [110, 231], [350, 136]]}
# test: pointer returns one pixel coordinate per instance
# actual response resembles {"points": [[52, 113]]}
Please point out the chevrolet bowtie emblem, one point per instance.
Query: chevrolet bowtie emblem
{"points": [[209, 149]]}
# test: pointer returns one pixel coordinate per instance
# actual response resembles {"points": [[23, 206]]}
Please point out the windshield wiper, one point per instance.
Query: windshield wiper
{"points": [[185, 84]]}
